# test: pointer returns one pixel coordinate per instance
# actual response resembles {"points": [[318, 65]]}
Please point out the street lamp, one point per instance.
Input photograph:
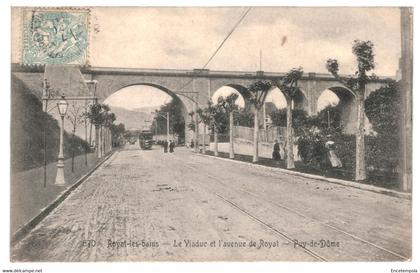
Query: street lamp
{"points": [[62, 110]]}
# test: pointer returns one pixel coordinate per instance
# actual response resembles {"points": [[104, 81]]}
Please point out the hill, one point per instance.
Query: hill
{"points": [[137, 118]]}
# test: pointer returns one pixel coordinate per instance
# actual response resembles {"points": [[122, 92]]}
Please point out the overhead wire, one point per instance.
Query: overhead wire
{"points": [[221, 44]]}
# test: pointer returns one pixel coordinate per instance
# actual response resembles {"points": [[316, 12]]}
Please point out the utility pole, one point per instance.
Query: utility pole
{"points": [[167, 126], [406, 67]]}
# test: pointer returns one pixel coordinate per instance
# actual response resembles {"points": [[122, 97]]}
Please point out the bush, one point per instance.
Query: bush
{"points": [[243, 118], [299, 118]]}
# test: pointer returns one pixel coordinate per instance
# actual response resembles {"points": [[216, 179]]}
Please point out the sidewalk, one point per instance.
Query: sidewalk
{"points": [[28, 195]]}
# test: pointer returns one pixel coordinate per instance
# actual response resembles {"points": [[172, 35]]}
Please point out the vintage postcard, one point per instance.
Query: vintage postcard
{"points": [[211, 134]]}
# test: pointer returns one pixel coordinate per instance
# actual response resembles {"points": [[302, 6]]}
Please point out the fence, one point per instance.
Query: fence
{"points": [[265, 135], [247, 133], [220, 138]]}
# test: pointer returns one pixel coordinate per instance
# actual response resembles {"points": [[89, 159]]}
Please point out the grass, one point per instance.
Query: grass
{"points": [[375, 178]]}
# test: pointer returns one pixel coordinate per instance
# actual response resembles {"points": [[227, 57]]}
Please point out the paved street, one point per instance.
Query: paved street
{"points": [[150, 206]]}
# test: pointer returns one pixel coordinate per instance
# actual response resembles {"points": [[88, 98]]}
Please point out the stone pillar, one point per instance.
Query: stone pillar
{"points": [[312, 94]]}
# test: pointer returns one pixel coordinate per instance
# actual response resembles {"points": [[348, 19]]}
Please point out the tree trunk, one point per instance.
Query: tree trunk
{"points": [[216, 142], [360, 140], [86, 149], [90, 134], [231, 152], [45, 150], [100, 146], [196, 132], [103, 133], [110, 140], [97, 146], [290, 163], [72, 151], [256, 131], [204, 139]]}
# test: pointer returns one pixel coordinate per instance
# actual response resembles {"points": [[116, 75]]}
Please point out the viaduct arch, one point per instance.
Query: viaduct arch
{"points": [[191, 86]]}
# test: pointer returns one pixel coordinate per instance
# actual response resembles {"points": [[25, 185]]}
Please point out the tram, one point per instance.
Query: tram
{"points": [[146, 139]]}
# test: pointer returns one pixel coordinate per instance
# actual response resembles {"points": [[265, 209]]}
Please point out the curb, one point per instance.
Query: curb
{"points": [[352, 184], [29, 226]]}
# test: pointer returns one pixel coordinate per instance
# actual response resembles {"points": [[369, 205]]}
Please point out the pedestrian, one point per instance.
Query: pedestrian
{"points": [[171, 146], [276, 150], [165, 146], [333, 159], [192, 143]]}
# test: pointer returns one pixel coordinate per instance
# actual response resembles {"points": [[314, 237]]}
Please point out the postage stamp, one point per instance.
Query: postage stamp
{"points": [[56, 36]]}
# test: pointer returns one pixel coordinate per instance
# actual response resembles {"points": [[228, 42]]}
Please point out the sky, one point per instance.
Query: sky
{"points": [[135, 97], [185, 38]]}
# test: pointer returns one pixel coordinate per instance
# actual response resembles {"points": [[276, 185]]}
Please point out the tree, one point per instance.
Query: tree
{"points": [[242, 117], [329, 119], [288, 86], [117, 132], [383, 108], [205, 118], [108, 121], [103, 127], [75, 116], [257, 93], [229, 106], [95, 116], [279, 118], [176, 117], [363, 50]]}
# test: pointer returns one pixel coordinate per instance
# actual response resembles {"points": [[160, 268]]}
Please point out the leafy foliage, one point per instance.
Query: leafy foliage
{"points": [[176, 119], [299, 118], [384, 112], [364, 54], [329, 120], [222, 110], [363, 50], [100, 115], [117, 132], [383, 109], [94, 114], [258, 92], [288, 84], [243, 118]]}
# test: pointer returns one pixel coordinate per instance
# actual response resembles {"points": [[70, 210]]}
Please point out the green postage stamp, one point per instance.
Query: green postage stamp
{"points": [[55, 36]]}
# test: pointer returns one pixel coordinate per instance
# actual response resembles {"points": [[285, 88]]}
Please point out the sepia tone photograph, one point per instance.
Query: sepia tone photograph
{"points": [[211, 134]]}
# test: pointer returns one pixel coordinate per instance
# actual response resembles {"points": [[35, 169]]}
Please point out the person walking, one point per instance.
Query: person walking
{"points": [[276, 150], [333, 159], [171, 146], [165, 146]]}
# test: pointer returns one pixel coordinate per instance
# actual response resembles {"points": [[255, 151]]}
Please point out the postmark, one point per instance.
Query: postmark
{"points": [[55, 36]]}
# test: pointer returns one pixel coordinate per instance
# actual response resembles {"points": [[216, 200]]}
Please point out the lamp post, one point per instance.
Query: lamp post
{"points": [[62, 110]]}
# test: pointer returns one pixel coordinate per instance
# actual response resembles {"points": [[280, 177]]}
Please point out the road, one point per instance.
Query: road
{"points": [[150, 206]]}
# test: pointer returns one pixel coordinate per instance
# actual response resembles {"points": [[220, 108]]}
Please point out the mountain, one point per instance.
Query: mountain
{"points": [[138, 118]]}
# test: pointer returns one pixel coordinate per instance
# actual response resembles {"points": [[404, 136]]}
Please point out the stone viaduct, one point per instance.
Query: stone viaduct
{"points": [[199, 85]]}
